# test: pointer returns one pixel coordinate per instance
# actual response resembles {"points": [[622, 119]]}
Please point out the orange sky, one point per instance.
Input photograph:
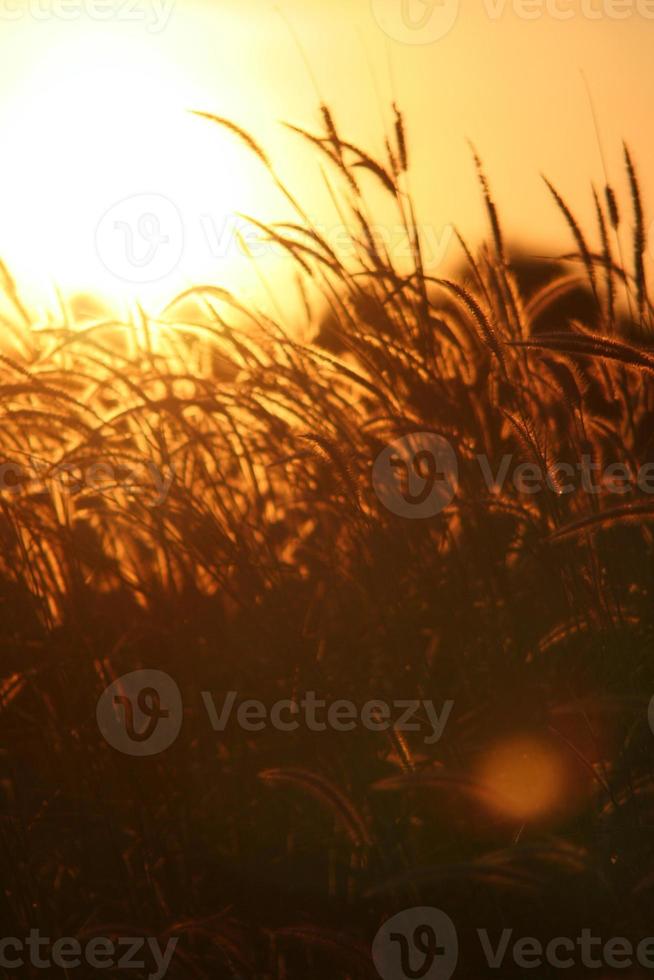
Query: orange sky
{"points": [[93, 112]]}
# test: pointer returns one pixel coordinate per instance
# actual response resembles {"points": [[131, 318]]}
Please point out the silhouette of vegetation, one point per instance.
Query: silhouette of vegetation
{"points": [[271, 568]]}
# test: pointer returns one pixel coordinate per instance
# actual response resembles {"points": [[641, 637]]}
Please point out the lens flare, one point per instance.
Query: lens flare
{"points": [[526, 777]]}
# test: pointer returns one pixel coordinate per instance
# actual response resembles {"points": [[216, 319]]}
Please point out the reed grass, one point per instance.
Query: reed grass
{"points": [[272, 568]]}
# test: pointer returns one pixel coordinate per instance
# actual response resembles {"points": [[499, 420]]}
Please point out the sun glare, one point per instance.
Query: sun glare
{"points": [[113, 185]]}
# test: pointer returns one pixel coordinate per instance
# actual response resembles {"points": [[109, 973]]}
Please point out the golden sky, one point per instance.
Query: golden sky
{"points": [[95, 94]]}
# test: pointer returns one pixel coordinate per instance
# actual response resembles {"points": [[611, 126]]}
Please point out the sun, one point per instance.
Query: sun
{"points": [[112, 185]]}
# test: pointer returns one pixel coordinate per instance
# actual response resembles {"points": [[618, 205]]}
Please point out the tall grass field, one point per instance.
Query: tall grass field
{"points": [[198, 494]]}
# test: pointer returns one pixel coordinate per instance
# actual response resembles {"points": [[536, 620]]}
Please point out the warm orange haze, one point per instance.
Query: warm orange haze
{"points": [[326, 489], [95, 110]]}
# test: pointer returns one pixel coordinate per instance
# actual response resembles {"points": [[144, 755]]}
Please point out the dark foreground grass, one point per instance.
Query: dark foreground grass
{"points": [[272, 569]]}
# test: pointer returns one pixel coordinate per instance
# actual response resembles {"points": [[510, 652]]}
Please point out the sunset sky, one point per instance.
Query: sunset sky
{"points": [[326, 561], [94, 111]]}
